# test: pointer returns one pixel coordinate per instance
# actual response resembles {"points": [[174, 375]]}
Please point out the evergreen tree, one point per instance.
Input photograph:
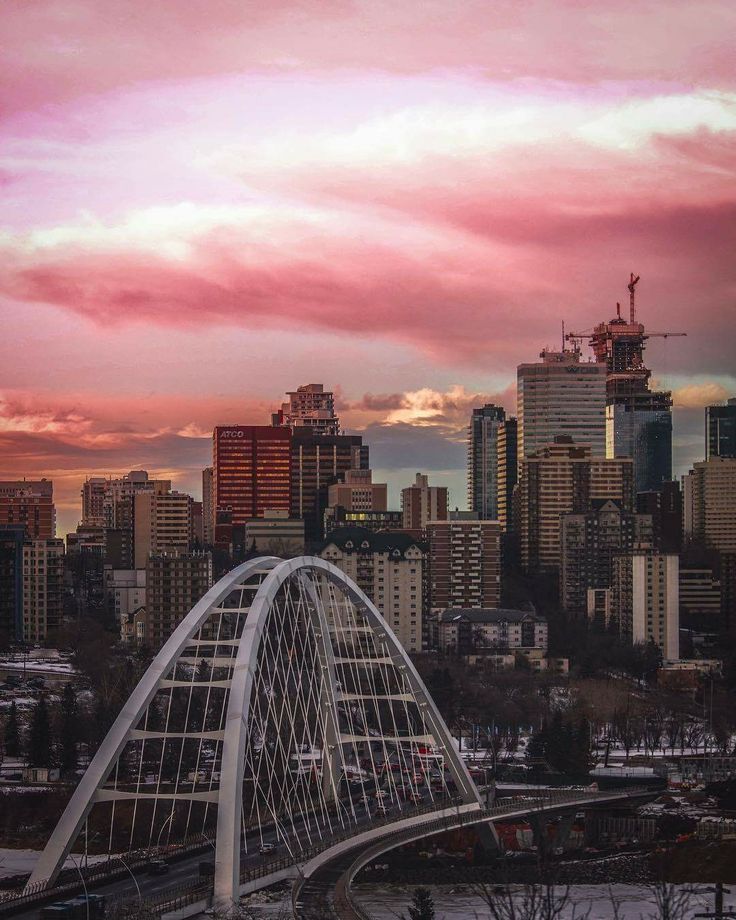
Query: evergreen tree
{"points": [[12, 733], [422, 906], [70, 729], [39, 740]]}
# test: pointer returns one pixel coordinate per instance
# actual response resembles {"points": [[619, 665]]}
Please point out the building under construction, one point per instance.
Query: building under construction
{"points": [[638, 419]]}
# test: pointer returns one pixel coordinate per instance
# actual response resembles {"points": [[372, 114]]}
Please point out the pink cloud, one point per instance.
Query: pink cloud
{"points": [[72, 47]]}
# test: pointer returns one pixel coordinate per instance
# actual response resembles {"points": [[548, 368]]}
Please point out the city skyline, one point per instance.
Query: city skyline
{"points": [[250, 200]]}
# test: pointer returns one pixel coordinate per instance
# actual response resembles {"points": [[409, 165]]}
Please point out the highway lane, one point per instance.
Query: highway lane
{"points": [[186, 870]]}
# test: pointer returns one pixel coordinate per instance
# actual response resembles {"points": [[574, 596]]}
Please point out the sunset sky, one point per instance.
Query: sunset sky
{"points": [[208, 202]]}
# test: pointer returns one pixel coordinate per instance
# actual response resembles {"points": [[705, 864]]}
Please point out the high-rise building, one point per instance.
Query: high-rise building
{"points": [[251, 472], [464, 562], [208, 506], [309, 406], [700, 597], [174, 584], [162, 523], [483, 460], [562, 478], [30, 503], [84, 564], [196, 531], [93, 501], [422, 503], [728, 590], [389, 568], [665, 506], [589, 540], [646, 599], [709, 499], [640, 426], [507, 475], [12, 537], [317, 462], [358, 492], [43, 588], [119, 493], [638, 419], [720, 430], [126, 589], [561, 395]]}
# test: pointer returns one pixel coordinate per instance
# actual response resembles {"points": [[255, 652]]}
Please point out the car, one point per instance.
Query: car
{"points": [[265, 849], [157, 867], [415, 798], [381, 811]]}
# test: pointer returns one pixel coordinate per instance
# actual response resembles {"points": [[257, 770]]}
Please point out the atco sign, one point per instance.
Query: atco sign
{"points": [[231, 433]]}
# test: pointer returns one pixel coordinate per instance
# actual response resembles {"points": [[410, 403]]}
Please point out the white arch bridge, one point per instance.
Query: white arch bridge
{"points": [[281, 722]]}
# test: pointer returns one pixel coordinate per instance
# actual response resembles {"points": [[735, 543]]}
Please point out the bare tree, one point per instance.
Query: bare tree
{"points": [[529, 902], [669, 901]]}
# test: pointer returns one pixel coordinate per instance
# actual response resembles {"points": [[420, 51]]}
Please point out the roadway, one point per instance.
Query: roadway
{"points": [[335, 873]]}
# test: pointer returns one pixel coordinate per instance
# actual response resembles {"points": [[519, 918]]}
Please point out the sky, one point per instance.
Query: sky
{"points": [[205, 203]]}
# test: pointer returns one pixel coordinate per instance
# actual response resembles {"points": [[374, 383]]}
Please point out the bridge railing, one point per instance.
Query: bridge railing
{"points": [[345, 905], [191, 892]]}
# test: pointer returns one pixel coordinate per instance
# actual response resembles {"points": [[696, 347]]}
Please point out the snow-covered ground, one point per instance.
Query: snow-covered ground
{"points": [[386, 903], [15, 862]]}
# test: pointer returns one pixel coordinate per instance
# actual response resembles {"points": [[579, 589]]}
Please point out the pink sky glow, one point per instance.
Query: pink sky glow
{"points": [[207, 203]]}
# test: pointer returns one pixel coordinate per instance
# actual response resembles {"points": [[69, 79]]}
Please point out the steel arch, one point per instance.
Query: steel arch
{"points": [[237, 712], [70, 824]]}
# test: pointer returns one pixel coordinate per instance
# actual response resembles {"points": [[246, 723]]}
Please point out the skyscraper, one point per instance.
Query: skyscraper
{"points": [[208, 506], [563, 478], [589, 541], [310, 406], [251, 473], [389, 568], [174, 584], [29, 503], [561, 395], [422, 502], [709, 503], [646, 600], [43, 588], [162, 523], [93, 501], [464, 562], [638, 420], [507, 472], [483, 460], [12, 537], [720, 430], [119, 494], [317, 462]]}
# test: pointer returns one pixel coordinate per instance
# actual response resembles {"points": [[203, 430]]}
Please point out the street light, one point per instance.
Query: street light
{"points": [[84, 884], [167, 821], [135, 881]]}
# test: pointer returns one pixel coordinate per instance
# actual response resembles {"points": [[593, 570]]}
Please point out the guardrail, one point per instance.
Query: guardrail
{"points": [[344, 905], [110, 869], [190, 892]]}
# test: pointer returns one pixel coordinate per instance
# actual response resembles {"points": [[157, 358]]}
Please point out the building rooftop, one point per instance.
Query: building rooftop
{"points": [[362, 540]]}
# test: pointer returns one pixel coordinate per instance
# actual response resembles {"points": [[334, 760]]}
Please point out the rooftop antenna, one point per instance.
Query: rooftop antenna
{"points": [[632, 284], [563, 334], [618, 310]]}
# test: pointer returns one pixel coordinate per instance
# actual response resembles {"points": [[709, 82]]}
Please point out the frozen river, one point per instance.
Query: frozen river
{"points": [[586, 902]]}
